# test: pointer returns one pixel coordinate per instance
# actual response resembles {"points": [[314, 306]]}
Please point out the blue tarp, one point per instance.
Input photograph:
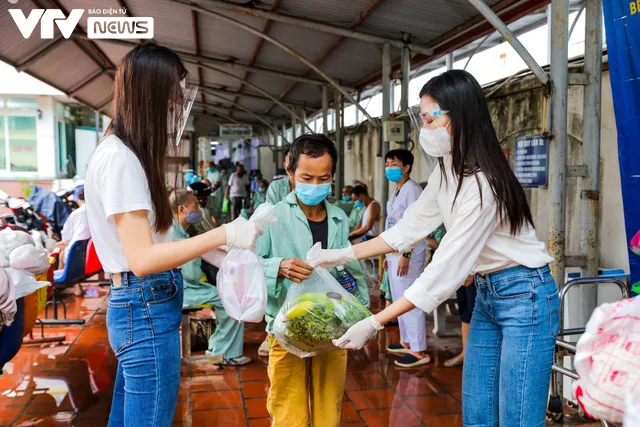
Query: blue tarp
{"points": [[622, 24], [50, 205]]}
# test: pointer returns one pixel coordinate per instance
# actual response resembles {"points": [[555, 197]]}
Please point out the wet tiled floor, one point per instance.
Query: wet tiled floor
{"points": [[71, 384]]}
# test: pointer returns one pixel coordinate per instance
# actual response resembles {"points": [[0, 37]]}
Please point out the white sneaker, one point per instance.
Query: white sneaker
{"points": [[263, 351]]}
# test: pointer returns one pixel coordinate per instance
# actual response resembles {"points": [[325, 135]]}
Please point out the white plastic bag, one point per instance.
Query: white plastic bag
{"points": [[316, 312], [241, 283], [632, 411], [29, 259], [25, 283], [11, 239], [607, 359]]}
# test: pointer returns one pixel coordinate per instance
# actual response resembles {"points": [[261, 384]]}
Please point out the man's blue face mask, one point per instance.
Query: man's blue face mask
{"points": [[346, 198], [312, 194], [393, 174]]}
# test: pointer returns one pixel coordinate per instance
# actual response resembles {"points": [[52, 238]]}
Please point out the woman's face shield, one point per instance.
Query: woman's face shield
{"points": [[429, 116], [180, 109]]}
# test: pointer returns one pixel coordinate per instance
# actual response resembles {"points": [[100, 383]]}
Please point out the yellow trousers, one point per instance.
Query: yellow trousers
{"points": [[303, 388]]}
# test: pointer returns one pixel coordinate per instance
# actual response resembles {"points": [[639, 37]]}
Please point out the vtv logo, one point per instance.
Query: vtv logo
{"points": [[46, 17]]}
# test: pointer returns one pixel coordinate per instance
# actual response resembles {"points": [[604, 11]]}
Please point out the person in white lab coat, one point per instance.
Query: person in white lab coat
{"points": [[405, 268], [76, 227], [490, 232]]}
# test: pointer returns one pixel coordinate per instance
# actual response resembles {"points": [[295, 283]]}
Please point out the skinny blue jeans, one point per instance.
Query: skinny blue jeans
{"points": [[509, 354], [143, 321]]}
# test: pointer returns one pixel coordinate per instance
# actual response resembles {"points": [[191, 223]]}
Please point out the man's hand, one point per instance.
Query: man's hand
{"points": [[295, 269], [403, 266], [385, 264], [62, 244]]}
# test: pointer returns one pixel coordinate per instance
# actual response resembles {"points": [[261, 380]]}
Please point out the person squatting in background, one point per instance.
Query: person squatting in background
{"points": [[228, 339]]}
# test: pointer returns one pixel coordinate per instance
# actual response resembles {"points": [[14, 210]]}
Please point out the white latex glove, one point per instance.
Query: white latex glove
{"points": [[215, 257], [359, 334], [242, 234], [329, 258]]}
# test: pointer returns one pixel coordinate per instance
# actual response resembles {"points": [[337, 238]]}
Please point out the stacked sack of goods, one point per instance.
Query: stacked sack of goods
{"points": [[22, 258]]}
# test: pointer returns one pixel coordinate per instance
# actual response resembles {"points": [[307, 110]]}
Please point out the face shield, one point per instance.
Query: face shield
{"points": [[179, 111]]}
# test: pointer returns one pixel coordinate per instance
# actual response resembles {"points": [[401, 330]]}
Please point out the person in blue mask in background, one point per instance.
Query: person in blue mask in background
{"points": [[405, 268], [346, 202]]}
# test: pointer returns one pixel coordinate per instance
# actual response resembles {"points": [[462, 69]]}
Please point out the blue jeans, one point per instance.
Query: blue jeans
{"points": [[143, 321], [507, 366]]}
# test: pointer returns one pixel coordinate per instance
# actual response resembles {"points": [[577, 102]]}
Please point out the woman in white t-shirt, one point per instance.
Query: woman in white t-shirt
{"points": [[490, 231], [129, 217]]}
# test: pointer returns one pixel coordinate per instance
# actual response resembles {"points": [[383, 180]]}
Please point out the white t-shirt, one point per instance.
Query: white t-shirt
{"points": [[76, 227], [238, 185], [115, 183]]}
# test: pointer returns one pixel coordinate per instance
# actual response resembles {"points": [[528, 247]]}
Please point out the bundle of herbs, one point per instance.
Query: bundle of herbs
{"points": [[309, 321]]}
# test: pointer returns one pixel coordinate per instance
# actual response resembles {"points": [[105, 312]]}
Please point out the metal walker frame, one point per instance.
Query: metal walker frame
{"points": [[555, 406]]}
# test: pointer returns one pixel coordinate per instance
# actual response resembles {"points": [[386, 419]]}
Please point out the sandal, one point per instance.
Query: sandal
{"points": [[454, 361], [412, 360], [399, 348]]}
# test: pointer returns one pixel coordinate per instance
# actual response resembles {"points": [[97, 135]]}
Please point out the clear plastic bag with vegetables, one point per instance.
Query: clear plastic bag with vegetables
{"points": [[315, 312]]}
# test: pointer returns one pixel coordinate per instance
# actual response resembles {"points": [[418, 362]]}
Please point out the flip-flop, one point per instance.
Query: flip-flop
{"points": [[453, 362], [398, 348], [411, 360]]}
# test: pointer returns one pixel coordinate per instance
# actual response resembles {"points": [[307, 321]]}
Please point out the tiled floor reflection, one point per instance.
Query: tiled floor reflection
{"points": [[71, 384]]}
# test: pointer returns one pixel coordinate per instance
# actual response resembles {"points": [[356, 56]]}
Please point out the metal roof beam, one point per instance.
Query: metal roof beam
{"points": [[291, 52], [362, 16], [236, 107], [86, 82], [190, 57], [258, 48], [251, 95], [265, 121], [314, 25], [502, 28]]}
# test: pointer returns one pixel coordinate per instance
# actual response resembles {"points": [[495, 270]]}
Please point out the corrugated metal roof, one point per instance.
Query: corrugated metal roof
{"points": [[66, 65], [423, 20], [350, 61]]}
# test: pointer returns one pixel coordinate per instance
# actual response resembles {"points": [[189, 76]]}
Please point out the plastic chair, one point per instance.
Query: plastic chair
{"points": [[93, 266], [72, 274]]}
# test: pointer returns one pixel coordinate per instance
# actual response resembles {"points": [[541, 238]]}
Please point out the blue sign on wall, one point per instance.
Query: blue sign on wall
{"points": [[531, 161], [622, 23]]}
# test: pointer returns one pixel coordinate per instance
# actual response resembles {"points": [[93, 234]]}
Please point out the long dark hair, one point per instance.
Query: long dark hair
{"points": [[475, 145], [146, 91]]}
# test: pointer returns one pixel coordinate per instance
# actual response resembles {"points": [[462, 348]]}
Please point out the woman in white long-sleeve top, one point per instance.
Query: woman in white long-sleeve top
{"points": [[490, 232]]}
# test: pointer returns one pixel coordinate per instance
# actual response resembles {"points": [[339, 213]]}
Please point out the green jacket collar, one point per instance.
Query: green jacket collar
{"points": [[179, 230], [335, 216]]}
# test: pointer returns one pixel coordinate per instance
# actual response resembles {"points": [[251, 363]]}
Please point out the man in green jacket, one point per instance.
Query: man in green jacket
{"points": [[280, 188], [305, 218]]}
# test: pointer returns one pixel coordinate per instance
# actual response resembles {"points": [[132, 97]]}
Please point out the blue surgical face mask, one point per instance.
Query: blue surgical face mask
{"points": [[359, 204], [346, 198], [193, 218], [261, 190], [312, 194], [210, 170], [393, 174]]}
